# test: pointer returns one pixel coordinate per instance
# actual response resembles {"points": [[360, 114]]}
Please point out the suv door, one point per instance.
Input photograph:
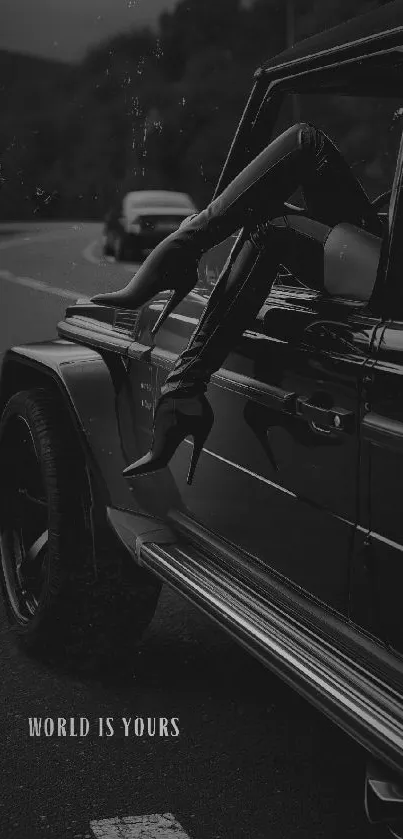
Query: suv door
{"points": [[279, 473], [378, 567]]}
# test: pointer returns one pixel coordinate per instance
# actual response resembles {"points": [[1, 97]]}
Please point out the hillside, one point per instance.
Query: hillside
{"points": [[142, 110], [18, 70]]}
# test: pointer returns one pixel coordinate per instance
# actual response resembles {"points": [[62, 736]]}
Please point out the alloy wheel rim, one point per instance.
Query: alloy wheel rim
{"points": [[24, 529]]}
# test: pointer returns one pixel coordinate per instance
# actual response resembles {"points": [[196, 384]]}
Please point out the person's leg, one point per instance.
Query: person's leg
{"points": [[301, 156], [243, 287], [183, 409]]}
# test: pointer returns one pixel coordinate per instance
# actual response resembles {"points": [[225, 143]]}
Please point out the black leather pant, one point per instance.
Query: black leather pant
{"points": [[302, 156]]}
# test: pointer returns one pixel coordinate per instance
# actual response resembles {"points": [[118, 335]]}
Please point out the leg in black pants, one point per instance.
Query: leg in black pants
{"points": [[301, 157]]}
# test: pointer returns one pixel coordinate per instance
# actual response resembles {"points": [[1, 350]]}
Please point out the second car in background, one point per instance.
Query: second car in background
{"points": [[142, 219]]}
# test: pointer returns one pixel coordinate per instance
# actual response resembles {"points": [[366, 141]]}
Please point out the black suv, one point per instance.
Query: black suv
{"points": [[291, 535]]}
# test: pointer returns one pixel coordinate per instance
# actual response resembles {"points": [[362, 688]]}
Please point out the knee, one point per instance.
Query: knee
{"points": [[308, 135], [301, 133], [302, 136]]}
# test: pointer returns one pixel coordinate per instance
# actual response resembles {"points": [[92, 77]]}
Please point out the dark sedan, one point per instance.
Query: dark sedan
{"points": [[142, 219]]}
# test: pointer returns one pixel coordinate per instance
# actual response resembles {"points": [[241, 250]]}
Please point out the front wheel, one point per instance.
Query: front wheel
{"points": [[54, 599]]}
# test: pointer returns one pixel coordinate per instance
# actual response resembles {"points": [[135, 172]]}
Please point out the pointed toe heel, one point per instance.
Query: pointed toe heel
{"points": [[144, 466], [196, 452]]}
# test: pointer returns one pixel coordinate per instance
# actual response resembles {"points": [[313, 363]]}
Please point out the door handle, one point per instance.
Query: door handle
{"points": [[268, 395], [325, 419]]}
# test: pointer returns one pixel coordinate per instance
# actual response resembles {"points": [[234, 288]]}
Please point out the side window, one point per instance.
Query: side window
{"points": [[366, 129], [211, 265]]}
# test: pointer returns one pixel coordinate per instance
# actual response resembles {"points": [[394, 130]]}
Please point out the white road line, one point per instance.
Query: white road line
{"points": [[155, 826], [37, 285], [51, 236], [88, 253]]}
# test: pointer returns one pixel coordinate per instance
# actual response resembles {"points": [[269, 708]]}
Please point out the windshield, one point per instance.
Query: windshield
{"points": [[366, 129]]}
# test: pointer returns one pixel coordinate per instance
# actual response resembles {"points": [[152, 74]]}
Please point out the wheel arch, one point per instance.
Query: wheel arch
{"points": [[83, 382]]}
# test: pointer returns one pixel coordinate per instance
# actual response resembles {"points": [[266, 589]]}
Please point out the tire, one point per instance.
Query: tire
{"points": [[54, 600], [121, 252], [108, 246]]}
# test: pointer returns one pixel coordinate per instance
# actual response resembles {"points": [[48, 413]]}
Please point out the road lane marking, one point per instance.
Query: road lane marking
{"points": [[156, 826], [37, 285], [87, 253], [50, 236]]}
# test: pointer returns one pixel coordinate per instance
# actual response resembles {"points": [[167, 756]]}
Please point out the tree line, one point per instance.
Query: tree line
{"points": [[145, 109]]}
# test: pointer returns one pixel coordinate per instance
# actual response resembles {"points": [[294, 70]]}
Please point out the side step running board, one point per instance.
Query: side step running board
{"points": [[362, 704]]}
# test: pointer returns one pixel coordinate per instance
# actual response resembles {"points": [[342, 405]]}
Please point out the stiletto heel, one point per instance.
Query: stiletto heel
{"points": [[198, 443], [172, 302], [175, 418]]}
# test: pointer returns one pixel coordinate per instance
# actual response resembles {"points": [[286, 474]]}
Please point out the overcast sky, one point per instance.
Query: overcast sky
{"points": [[65, 28]]}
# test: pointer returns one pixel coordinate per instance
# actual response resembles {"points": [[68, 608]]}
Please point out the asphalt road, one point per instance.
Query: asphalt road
{"points": [[252, 759]]}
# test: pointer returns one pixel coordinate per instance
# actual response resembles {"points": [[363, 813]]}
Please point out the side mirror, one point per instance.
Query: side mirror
{"points": [[351, 259]]}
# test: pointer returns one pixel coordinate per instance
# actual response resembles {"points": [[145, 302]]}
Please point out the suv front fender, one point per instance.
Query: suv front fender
{"points": [[87, 383]]}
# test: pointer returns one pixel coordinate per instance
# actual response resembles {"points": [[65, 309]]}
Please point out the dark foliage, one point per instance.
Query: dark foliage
{"points": [[142, 110]]}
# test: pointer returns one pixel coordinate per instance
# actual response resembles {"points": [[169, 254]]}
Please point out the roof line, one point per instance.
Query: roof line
{"points": [[328, 51]]}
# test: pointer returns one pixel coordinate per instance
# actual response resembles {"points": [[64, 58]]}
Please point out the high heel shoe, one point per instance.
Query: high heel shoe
{"points": [[175, 418], [171, 265]]}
